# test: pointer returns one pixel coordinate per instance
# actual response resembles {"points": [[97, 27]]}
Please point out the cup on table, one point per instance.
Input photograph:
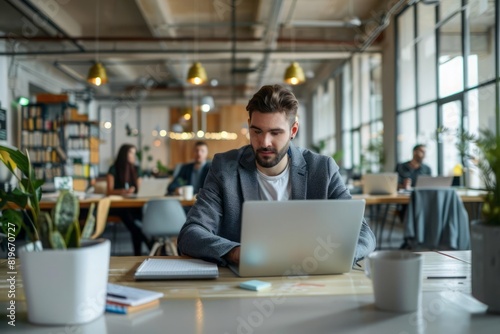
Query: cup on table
{"points": [[397, 279], [187, 192]]}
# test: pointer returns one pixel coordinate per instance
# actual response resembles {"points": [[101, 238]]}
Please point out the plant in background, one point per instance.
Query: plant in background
{"points": [[464, 139], [375, 156], [161, 168], [488, 162], [21, 207]]}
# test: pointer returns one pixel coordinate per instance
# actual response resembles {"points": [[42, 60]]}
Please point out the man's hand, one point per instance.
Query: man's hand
{"points": [[234, 255]]}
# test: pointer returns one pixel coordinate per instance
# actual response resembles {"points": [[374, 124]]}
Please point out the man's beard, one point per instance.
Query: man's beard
{"points": [[273, 162]]}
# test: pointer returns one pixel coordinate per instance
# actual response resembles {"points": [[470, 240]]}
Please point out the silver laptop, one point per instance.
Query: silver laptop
{"points": [[299, 237], [380, 184], [151, 188], [424, 181]]}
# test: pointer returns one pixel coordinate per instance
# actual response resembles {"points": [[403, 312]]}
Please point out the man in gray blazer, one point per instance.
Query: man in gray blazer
{"points": [[270, 168]]}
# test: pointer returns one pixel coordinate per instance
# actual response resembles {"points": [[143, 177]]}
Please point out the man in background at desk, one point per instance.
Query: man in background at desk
{"points": [[193, 173], [270, 168], [409, 171]]}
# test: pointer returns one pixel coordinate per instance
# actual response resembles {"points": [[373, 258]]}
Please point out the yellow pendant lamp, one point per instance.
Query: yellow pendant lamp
{"points": [[97, 75], [294, 74], [197, 74]]}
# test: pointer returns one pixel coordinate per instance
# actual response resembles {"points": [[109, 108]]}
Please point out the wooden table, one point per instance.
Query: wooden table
{"points": [[314, 304], [116, 202], [467, 196]]}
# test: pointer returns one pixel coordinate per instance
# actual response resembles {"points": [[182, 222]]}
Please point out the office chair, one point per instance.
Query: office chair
{"points": [[436, 219], [162, 219]]}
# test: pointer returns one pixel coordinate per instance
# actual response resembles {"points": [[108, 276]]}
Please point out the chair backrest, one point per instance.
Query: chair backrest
{"points": [[100, 186], [437, 219], [101, 216], [163, 217]]}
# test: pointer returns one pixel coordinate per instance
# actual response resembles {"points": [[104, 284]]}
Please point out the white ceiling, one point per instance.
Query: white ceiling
{"points": [[147, 46]]}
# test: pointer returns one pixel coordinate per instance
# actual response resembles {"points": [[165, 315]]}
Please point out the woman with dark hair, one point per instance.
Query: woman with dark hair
{"points": [[123, 178]]}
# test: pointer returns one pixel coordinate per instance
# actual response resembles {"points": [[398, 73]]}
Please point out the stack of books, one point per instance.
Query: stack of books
{"points": [[123, 299]]}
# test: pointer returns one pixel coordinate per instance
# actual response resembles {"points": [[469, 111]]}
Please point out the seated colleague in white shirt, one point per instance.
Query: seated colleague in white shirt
{"points": [[270, 168]]}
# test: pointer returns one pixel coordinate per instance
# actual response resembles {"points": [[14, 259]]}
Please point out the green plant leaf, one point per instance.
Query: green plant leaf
{"points": [[66, 211], [11, 217], [56, 240], [88, 229], [72, 238], [21, 160], [45, 229]]}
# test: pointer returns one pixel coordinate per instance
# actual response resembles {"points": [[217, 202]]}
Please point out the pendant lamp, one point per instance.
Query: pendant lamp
{"points": [[97, 74], [197, 74], [294, 74]]}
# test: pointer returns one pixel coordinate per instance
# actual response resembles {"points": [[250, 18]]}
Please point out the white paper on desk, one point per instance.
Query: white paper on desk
{"points": [[176, 269], [130, 296]]}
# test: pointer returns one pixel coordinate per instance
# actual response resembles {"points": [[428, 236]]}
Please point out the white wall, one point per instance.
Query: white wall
{"points": [[148, 119], [4, 92]]}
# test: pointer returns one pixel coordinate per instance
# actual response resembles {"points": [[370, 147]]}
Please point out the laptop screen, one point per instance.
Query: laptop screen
{"points": [[299, 237]]}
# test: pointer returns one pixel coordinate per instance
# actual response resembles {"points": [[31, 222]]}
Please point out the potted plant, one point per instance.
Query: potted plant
{"points": [[485, 234], [63, 282]]}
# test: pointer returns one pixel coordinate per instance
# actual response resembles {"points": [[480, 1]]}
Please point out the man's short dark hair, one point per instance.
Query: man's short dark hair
{"points": [[200, 143], [274, 98], [416, 147]]}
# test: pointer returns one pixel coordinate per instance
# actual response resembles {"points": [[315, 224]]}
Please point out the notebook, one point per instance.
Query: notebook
{"points": [[380, 184], [130, 296], [299, 237], [152, 269], [424, 181], [151, 188]]}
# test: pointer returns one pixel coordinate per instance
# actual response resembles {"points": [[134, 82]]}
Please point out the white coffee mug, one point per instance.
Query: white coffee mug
{"points": [[397, 279], [187, 192]]}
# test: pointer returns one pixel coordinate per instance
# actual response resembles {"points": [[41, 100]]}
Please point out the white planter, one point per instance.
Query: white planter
{"points": [[485, 242], [64, 287]]}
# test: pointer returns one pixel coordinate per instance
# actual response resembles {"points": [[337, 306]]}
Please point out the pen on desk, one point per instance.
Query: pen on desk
{"points": [[116, 296], [446, 277]]}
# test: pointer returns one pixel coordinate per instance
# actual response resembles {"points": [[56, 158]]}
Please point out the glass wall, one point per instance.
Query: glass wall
{"points": [[358, 146], [362, 127], [453, 53]]}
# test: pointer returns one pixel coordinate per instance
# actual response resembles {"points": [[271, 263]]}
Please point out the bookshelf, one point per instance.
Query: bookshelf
{"points": [[82, 147], [41, 135], [61, 142]]}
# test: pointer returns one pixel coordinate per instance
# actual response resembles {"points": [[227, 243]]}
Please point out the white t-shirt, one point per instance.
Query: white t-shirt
{"points": [[275, 188]]}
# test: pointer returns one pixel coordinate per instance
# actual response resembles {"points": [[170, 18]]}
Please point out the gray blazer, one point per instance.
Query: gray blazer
{"points": [[213, 224]]}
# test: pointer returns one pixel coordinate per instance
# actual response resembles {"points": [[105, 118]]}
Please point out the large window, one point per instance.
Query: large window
{"points": [[362, 127], [454, 57]]}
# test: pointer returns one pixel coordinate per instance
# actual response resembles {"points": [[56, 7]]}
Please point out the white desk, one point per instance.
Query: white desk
{"points": [[317, 304]]}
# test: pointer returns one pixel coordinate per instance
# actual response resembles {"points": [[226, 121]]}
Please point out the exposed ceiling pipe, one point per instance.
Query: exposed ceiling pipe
{"points": [[270, 38], [126, 39], [323, 24], [126, 52], [156, 20], [250, 40]]}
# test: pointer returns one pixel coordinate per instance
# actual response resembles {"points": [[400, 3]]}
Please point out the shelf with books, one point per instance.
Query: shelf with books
{"points": [[42, 136], [61, 142], [82, 147]]}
